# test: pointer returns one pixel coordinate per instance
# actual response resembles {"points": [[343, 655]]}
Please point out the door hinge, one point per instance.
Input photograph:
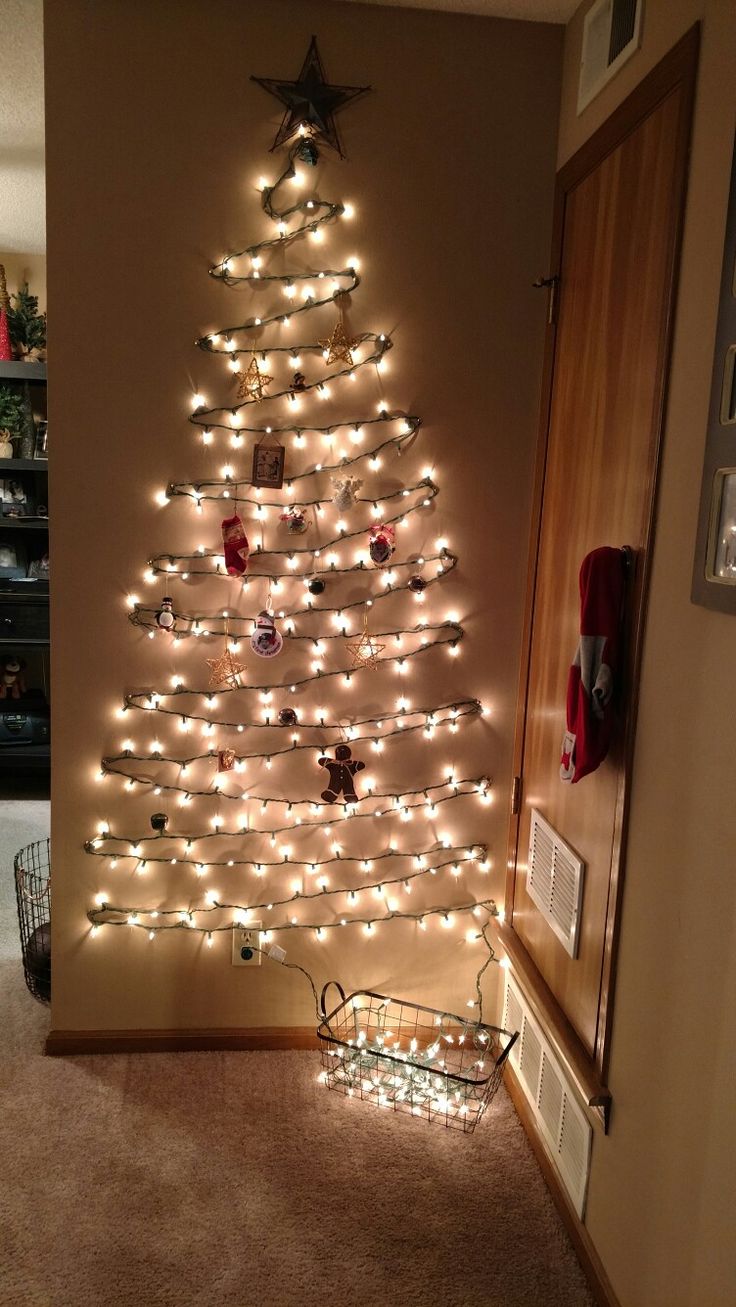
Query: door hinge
{"points": [[551, 284], [515, 796]]}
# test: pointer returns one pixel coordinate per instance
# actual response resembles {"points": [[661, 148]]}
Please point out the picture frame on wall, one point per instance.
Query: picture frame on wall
{"points": [[268, 465]]}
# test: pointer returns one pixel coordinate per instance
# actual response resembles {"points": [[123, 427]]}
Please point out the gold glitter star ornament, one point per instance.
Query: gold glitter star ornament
{"points": [[226, 671], [364, 652], [253, 383], [337, 348]]}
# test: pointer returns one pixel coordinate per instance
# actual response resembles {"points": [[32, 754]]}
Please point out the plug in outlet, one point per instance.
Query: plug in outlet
{"points": [[246, 943]]}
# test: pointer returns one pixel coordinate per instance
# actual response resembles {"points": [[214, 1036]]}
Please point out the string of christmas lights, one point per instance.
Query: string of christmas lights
{"points": [[422, 869], [456, 712], [398, 443], [445, 559], [293, 398], [450, 633], [230, 480], [185, 918], [426, 797], [430, 491], [232, 624], [396, 645]]}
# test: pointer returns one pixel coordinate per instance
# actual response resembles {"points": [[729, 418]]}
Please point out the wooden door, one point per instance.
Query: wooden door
{"points": [[619, 218]]}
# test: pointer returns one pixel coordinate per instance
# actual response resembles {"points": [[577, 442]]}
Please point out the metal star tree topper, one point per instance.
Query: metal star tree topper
{"points": [[310, 102]]}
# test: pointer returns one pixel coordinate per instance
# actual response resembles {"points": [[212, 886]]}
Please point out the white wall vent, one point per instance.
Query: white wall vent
{"points": [[561, 1121], [554, 881], [611, 34]]}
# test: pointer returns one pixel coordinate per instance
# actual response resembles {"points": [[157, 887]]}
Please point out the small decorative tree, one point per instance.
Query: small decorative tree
{"points": [[27, 325], [12, 419]]}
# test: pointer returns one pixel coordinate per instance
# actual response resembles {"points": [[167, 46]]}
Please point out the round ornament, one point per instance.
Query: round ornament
{"points": [[417, 584], [299, 381], [159, 822], [382, 544], [315, 585], [288, 717], [165, 616], [266, 641]]}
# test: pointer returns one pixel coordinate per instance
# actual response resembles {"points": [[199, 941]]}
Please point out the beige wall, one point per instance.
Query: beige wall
{"points": [[26, 267], [451, 165], [661, 1199]]}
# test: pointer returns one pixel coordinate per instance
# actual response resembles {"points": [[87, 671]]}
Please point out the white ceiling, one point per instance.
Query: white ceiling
{"points": [[22, 178]]}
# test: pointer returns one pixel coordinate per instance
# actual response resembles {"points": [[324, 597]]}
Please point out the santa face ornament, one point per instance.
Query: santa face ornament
{"points": [[266, 641], [382, 544], [296, 521]]}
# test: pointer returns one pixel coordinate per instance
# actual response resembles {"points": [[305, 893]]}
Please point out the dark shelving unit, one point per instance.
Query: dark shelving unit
{"points": [[24, 603]]}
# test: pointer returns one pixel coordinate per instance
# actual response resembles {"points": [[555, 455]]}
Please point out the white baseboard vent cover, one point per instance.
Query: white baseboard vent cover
{"points": [[554, 881], [562, 1123]]}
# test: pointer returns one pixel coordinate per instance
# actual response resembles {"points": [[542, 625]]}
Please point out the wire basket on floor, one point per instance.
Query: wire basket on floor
{"points": [[33, 896], [411, 1058]]}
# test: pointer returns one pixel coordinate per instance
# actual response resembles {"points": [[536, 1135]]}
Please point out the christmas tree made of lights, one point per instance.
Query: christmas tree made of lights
{"points": [[300, 564]]}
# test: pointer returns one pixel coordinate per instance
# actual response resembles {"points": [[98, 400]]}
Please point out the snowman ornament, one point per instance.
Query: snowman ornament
{"points": [[165, 618], [266, 641]]}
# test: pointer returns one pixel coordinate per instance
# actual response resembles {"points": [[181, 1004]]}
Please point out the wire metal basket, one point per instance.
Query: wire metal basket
{"points": [[33, 896], [410, 1058]]}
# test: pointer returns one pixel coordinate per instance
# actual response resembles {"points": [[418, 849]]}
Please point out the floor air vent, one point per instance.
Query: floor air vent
{"points": [[558, 1116], [554, 881]]}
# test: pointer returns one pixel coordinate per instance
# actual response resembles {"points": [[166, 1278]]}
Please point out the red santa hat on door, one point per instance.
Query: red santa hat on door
{"points": [[595, 671]]}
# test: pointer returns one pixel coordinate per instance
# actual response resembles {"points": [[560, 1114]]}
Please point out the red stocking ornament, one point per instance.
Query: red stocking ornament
{"points": [[236, 545]]}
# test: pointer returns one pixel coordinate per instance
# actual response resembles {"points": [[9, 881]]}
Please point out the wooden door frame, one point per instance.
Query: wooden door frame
{"points": [[677, 69]]}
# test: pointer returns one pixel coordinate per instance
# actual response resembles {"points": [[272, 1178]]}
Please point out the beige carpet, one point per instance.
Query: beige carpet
{"points": [[235, 1178]]}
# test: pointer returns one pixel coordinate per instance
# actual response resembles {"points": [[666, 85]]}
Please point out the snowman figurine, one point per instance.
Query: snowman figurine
{"points": [[165, 616], [266, 641]]}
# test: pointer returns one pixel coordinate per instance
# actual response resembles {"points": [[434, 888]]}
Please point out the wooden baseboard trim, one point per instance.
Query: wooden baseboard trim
{"points": [[591, 1263], [64, 1043]]}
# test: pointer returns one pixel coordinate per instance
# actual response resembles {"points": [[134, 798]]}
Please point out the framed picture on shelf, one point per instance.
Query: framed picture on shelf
{"points": [[268, 466], [41, 448], [15, 499], [13, 562]]}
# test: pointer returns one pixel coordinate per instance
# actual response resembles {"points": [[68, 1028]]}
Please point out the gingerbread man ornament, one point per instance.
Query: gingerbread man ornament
{"points": [[342, 769]]}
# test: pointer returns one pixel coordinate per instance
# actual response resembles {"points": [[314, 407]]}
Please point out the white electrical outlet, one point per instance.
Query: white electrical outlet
{"points": [[246, 945]]}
